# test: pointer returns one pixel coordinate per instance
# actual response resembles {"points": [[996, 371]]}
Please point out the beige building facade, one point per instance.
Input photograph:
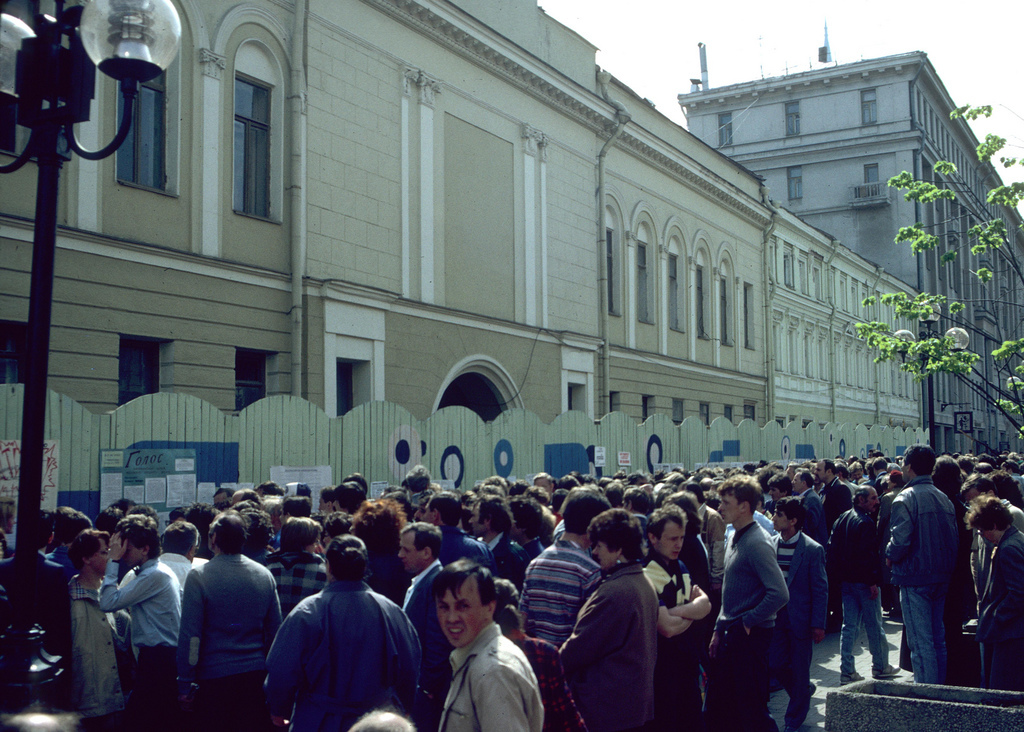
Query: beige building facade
{"points": [[430, 203]]}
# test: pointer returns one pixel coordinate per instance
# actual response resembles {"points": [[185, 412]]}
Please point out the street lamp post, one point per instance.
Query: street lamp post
{"points": [[47, 72]]}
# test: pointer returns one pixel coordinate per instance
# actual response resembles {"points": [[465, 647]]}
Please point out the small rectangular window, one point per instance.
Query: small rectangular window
{"points": [[792, 118], [705, 413], [673, 292], [138, 364], [250, 377], [251, 189], [723, 292], [140, 159], [750, 412], [577, 397], [871, 173], [725, 129], [646, 406], [13, 352], [795, 182], [613, 401], [609, 241], [698, 296], [787, 268], [643, 305], [677, 410], [727, 412], [868, 107], [748, 315]]}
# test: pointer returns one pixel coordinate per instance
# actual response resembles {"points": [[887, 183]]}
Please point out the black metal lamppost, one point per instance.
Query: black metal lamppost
{"points": [[48, 72]]}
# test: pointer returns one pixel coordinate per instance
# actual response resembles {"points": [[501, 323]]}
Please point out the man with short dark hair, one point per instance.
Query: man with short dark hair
{"points": [[560, 580], [814, 525], [854, 562], [67, 524], [341, 652], [801, 622], [298, 506], [527, 522], [420, 546], [491, 522], [753, 591], [493, 686], [230, 613], [677, 699], [445, 511], [154, 598], [922, 554]]}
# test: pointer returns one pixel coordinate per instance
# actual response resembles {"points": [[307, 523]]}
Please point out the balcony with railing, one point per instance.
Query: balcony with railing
{"points": [[867, 195]]}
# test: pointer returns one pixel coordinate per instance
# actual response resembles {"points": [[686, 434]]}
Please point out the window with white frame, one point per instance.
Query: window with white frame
{"points": [[698, 292], [141, 159], [868, 107], [748, 315], [792, 118], [675, 321], [795, 182], [723, 306], [251, 172], [787, 267], [643, 284], [725, 129]]}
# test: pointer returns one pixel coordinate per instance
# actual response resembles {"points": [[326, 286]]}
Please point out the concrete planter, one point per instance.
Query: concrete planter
{"points": [[889, 706]]}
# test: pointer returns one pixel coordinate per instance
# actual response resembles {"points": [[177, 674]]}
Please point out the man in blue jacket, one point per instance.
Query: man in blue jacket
{"points": [[801, 623], [420, 547], [921, 553]]}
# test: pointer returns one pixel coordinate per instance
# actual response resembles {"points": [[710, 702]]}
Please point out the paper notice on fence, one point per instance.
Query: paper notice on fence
{"points": [[156, 490], [136, 493], [377, 488], [181, 490], [316, 476], [110, 488], [206, 491], [184, 465]]}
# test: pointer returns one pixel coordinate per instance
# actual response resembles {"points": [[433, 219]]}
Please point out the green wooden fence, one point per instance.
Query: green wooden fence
{"points": [[383, 440]]}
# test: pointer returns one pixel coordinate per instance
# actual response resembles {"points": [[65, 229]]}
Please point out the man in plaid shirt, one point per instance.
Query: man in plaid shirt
{"points": [[298, 569]]}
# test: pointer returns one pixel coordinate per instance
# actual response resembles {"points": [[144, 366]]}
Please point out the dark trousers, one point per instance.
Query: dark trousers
{"points": [[790, 663], [233, 703], [1001, 664], [678, 706], [426, 711], [737, 699], [153, 703]]}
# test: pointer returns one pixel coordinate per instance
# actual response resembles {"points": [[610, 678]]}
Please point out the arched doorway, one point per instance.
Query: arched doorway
{"points": [[475, 392]]}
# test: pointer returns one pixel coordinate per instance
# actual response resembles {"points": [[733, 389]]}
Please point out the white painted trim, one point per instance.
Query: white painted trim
{"points": [[406, 199], [426, 203], [662, 294], [210, 194], [544, 241], [88, 186], [484, 365], [530, 236], [686, 367], [630, 280]]}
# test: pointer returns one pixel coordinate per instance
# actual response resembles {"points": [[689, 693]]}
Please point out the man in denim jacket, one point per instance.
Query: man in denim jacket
{"points": [[921, 553]]}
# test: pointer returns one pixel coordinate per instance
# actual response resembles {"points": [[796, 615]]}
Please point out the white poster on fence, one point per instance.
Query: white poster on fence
{"points": [[10, 471], [317, 477]]}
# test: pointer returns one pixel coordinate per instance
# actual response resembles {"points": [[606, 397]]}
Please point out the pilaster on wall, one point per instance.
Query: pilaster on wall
{"points": [[212, 66], [428, 89], [535, 223]]}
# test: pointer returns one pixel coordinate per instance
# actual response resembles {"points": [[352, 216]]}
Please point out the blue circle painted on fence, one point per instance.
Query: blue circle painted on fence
{"points": [[503, 458], [458, 468], [423, 447], [785, 449], [654, 442], [842, 448], [402, 452]]}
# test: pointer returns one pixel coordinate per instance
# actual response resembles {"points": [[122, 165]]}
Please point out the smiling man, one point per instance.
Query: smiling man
{"points": [[493, 686]]}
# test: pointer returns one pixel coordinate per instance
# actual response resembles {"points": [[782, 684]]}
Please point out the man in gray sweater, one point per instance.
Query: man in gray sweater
{"points": [[230, 614], [753, 591]]}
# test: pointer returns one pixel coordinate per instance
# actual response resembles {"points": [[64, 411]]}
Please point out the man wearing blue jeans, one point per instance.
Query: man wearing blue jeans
{"points": [[921, 553], [853, 561]]}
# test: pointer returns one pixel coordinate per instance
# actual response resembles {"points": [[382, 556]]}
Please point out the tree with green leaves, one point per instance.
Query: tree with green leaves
{"points": [[992, 255]]}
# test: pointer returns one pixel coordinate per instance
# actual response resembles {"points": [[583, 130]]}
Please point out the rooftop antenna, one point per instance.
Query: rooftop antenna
{"points": [[760, 50], [703, 66], [825, 52]]}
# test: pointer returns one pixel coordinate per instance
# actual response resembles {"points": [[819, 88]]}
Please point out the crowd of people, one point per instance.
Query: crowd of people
{"points": [[672, 601]]}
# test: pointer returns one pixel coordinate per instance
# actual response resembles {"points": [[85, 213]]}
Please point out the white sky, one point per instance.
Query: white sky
{"points": [[651, 45]]}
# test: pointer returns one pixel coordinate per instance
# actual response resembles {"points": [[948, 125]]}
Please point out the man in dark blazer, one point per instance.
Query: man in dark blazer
{"points": [[419, 551], [802, 621], [492, 524], [814, 524]]}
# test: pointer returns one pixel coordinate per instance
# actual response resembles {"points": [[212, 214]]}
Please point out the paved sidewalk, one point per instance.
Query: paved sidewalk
{"points": [[825, 673]]}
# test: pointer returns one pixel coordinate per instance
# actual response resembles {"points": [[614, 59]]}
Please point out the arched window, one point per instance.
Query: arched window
{"points": [[257, 139], [645, 258], [613, 268], [675, 287]]}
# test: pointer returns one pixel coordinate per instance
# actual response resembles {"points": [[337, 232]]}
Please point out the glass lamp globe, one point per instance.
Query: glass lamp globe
{"points": [[960, 338], [904, 335], [131, 39], [933, 315], [12, 32]]}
